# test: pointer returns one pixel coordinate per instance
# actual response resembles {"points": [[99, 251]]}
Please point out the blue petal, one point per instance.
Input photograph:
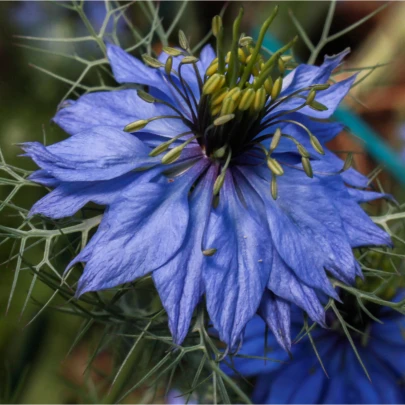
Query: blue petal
{"points": [[116, 109], [276, 312], [331, 98], [285, 284], [127, 69], [43, 177], [68, 198], [306, 75], [179, 281], [101, 153], [359, 228], [238, 272], [140, 232], [296, 233]]}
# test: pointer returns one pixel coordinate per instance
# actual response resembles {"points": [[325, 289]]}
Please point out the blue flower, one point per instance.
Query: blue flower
{"points": [[302, 380], [221, 185]]}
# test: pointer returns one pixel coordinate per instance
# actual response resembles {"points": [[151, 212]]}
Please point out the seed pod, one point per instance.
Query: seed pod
{"points": [[276, 90], [216, 25], [306, 164], [246, 99], [316, 145], [172, 51], [183, 40], [275, 140], [273, 187], [146, 96], [136, 126], [274, 166], [209, 252], [223, 119]]}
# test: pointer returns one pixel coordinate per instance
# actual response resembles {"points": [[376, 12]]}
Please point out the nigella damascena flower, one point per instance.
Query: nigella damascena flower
{"points": [[381, 347], [217, 182]]}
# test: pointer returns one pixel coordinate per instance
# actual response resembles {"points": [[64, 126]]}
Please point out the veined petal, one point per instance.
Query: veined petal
{"points": [[294, 232], [68, 198], [238, 272], [331, 98], [116, 109], [127, 69], [307, 75], [179, 281], [140, 232], [101, 153], [285, 284], [275, 312]]}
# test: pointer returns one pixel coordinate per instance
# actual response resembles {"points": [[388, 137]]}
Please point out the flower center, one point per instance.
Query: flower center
{"points": [[238, 100]]}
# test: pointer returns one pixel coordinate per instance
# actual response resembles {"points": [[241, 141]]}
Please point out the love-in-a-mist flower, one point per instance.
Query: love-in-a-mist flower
{"points": [[217, 181], [381, 347]]}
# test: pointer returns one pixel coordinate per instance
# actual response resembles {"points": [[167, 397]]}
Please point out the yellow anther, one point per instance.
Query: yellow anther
{"points": [[281, 66], [273, 187], [169, 65], [234, 94], [136, 126], [260, 99], [228, 57], [246, 99], [228, 106], [274, 166], [216, 110], [241, 55], [306, 164], [268, 85], [216, 25], [172, 155], [275, 140], [224, 119], [248, 59], [214, 83], [276, 90], [255, 71], [219, 96], [213, 68], [311, 97], [172, 51]]}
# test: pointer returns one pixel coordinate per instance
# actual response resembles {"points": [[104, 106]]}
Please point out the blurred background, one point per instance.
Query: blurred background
{"points": [[36, 365]]}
